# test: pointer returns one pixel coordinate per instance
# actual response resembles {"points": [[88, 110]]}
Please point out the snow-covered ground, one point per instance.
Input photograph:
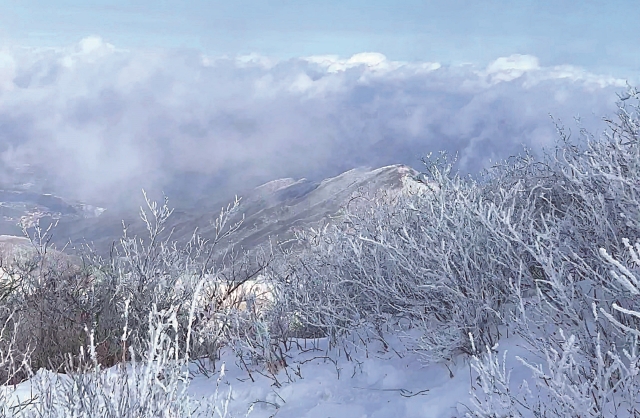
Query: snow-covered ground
{"points": [[321, 383]]}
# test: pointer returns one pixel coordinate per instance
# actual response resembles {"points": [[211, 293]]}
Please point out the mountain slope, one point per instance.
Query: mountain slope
{"points": [[270, 210]]}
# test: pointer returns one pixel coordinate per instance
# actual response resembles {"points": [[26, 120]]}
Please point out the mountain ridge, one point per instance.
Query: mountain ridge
{"points": [[271, 210]]}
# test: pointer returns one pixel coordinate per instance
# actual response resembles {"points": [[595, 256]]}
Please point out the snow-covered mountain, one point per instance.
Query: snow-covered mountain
{"points": [[24, 207], [273, 209]]}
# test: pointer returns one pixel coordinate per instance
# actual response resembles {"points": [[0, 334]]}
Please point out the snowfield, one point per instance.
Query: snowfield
{"points": [[322, 383]]}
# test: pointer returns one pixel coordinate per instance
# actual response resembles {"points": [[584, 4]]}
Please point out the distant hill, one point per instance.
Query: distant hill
{"points": [[24, 207]]}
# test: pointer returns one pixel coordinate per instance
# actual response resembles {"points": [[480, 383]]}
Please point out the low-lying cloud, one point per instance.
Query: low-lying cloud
{"points": [[103, 122]]}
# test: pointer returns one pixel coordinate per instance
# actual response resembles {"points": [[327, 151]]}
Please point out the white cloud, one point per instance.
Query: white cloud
{"points": [[88, 50], [511, 67], [7, 71], [369, 63], [93, 44], [105, 121], [258, 60]]}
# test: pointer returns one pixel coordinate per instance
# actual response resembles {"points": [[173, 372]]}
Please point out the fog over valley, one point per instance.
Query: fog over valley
{"points": [[96, 123]]}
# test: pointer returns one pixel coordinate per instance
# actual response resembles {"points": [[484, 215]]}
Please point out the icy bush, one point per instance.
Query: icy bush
{"points": [[116, 337], [53, 300], [153, 383], [435, 260], [571, 381], [582, 320]]}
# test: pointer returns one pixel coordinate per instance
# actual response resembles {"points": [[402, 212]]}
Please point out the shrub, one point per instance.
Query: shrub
{"points": [[589, 195], [432, 260]]}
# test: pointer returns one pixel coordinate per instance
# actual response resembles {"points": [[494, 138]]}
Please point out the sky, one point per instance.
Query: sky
{"points": [[108, 97], [598, 35]]}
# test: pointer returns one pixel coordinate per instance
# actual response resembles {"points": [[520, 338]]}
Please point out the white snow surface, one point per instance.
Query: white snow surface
{"points": [[375, 384]]}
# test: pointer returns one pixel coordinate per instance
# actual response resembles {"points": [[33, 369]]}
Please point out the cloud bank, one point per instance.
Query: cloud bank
{"points": [[102, 122]]}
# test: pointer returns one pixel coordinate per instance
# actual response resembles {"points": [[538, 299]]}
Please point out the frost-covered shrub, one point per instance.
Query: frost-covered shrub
{"points": [[245, 315], [153, 383], [139, 315], [158, 271], [54, 300], [571, 380], [431, 260], [582, 318], [235, 301], [47, 303]]}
